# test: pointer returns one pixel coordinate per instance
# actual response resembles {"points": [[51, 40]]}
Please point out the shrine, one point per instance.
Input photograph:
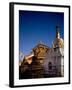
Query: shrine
{"points": [[44, 61]]}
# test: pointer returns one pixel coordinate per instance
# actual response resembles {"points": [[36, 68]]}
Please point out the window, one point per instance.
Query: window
{"points": [[50, 66]]}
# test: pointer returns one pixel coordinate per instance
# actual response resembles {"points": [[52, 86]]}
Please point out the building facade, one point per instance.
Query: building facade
{"points": [[54, 60], [44, 61]]}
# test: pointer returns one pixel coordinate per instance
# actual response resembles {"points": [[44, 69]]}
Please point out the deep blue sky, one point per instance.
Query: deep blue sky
{"points": [[37, 26]]}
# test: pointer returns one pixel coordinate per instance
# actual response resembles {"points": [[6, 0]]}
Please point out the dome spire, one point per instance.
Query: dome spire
{"points": [[57, 32]]}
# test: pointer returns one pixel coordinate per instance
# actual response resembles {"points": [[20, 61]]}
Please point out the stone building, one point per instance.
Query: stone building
{"points": [[32, 65], [44, 61], [40, 51], [54, 60]]}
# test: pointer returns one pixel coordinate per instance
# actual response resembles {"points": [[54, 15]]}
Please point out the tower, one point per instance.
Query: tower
{"points": [[58, 49], [54, 61], [58, 42]]}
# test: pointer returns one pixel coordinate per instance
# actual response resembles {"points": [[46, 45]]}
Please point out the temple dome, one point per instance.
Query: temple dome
{"points": [[58, 42]]}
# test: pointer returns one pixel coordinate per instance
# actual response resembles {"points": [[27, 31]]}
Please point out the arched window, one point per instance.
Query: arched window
{"points": [[50, 65]]}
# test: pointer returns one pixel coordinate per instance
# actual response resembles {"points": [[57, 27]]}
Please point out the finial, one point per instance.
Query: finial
{"points": [[57, 31]]}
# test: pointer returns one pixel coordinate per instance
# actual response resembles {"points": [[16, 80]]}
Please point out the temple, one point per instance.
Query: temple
{"points": [[54, 60], [44, 61]]}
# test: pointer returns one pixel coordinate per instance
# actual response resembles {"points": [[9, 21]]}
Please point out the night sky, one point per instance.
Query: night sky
{"points": [[37, 26]]}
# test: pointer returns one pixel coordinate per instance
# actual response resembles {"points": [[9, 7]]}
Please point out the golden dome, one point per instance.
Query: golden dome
{"points": [[58, 43]]}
